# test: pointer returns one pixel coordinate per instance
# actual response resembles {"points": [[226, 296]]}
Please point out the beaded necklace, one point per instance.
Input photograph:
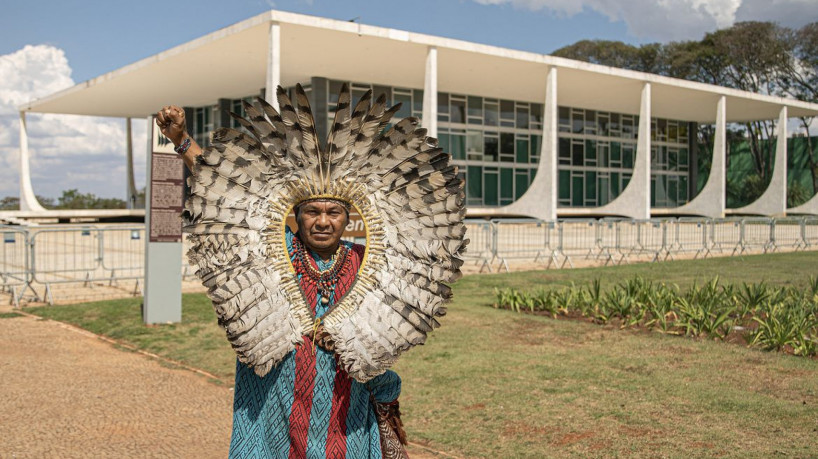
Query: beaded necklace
{"points": [[326, 280]]}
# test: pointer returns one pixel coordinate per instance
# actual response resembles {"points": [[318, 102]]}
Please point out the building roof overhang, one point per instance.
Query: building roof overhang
{"points": [[232, 62]]}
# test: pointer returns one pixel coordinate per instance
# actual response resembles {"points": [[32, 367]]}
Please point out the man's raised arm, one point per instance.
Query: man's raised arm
{"points": [[171, 121]]}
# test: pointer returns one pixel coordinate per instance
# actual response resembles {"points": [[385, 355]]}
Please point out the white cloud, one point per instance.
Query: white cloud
{"points": [[667, 20], [67, 151]]}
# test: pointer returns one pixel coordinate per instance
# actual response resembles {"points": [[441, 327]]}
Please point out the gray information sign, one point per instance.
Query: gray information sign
{"points": [[163, 220]]}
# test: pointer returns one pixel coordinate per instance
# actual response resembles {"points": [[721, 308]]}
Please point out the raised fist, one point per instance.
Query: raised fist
{"points": [[171, 121]]}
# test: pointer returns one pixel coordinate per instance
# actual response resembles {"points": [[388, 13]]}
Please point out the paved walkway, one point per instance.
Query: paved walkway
{"points": [[66, 393]]}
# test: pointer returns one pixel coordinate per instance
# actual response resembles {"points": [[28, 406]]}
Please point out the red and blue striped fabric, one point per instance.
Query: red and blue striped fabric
{"points": [[308, 407]]}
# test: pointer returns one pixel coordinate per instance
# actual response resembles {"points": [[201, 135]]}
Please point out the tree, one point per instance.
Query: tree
{"points": [[10, 203], [614, 54], [73, 199], [801, 81]]}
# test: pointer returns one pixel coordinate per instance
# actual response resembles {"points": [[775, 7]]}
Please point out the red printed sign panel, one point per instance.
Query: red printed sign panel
{"points": [[166, 191]]}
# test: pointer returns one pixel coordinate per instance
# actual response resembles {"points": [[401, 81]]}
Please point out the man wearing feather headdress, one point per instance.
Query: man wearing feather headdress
{"points": [[317, 321]]}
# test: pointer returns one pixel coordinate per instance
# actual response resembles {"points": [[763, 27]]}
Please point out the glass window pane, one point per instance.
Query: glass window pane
{"points": [[507, 183], [474, 145], [417, 101], [616, 154], [490, 197], [590, 188], [491, 151], [406, 108], [536, 145], [520, 184], [565, 186], [334, 90], [536, 116], [458, 146], [506, 110], [603, 186], [564, 114], [672, 190], [443, 106], [475, 110], [474, 185], [577, 121], [614, 126], [522, 151], [577, 152], [522, 117], [627, 156], [590, 152], [507, 143], [506, 113], [683, 159], [492, 113], [457, 110], [590, 122], [444, 143], [577, 186]]}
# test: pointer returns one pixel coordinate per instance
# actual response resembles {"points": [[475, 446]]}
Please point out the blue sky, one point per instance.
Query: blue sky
{"points": [[49, 45]]}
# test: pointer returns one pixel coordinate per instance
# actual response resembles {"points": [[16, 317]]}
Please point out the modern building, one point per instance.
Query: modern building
{"points": [[534, 135]]}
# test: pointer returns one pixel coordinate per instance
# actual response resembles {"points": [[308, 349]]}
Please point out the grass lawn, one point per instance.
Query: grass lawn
{"points": [[492, 383]]}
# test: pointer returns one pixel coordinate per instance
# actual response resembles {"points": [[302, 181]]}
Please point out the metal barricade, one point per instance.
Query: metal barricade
{"points": [[15, 272], [653, 239], [576, 237], [809, 232], [787, 233], [122, 253], [689, 235], [725, 234], [66, 255], [481, 237], [528, 239], [643, 237], [607, 240], [756, 234]]}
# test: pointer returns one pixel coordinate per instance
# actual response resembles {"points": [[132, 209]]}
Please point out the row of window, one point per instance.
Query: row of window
{"points": [[496, 186], [496, 143], [488, 146]]}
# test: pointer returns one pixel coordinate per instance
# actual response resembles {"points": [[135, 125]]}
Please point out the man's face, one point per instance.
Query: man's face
{"points": [[321, 224]]}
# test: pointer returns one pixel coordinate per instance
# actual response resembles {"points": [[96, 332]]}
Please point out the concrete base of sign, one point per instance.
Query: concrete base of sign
{"points": [[163, 283]]}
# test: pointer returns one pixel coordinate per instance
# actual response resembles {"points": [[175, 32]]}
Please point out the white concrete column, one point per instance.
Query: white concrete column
{"points": [[429, 120], [130, 192], [273, 64], [711, 201], [773, 202], [28, 200], [634, 201], [540, 199]]}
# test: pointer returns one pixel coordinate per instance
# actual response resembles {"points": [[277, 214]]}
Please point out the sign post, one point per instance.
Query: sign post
{"points": [[163, 225]]}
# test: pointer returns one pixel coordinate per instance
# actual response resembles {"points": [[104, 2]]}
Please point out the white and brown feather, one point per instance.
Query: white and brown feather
{"points": [[400, 179]]}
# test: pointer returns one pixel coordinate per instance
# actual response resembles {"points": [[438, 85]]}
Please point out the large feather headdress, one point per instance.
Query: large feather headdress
{"points": [[245, 185]]}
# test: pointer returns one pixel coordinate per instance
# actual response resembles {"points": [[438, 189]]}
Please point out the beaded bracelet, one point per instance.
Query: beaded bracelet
{"points": [[182, 148]]}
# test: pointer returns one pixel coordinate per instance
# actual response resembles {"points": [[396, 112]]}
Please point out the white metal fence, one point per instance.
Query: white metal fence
{"points": [[32, 260], [613, 241]]}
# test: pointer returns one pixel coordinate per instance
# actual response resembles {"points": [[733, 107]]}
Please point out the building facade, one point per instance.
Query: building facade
{"points": [[533, 135]]}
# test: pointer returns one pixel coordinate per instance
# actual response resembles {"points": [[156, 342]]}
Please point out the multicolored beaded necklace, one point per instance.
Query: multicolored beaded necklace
{"points": [[325, 281]]}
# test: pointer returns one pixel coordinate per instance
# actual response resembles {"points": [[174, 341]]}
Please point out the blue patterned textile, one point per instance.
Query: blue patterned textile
{"points": [[262, 407]]}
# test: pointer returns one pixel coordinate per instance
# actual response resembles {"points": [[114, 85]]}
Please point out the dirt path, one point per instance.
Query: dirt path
{"points": [[66, 393]]}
